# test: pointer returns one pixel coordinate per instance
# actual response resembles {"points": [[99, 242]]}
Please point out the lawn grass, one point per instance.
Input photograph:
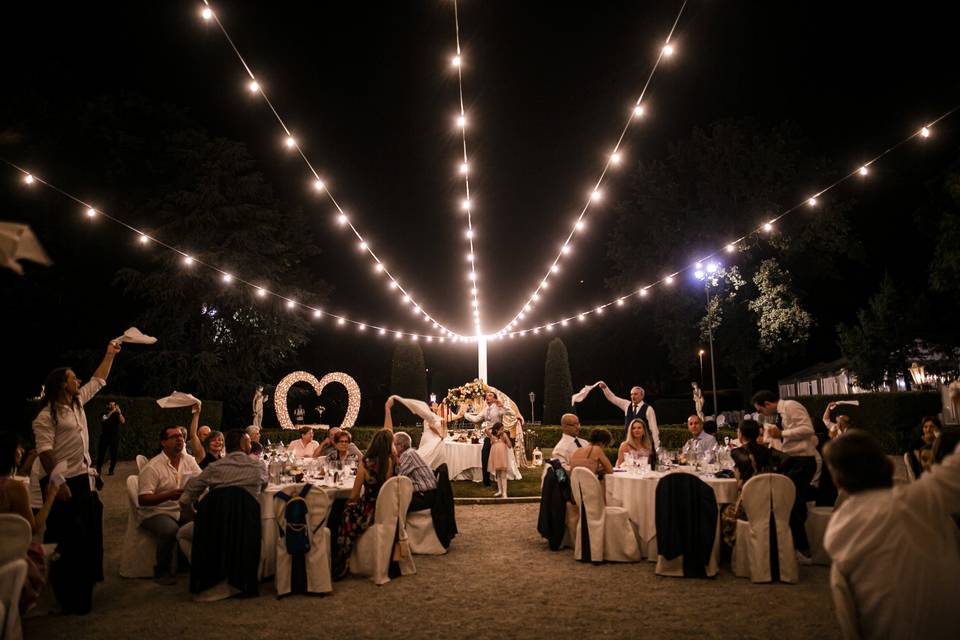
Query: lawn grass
{"points": [[529, 486]]}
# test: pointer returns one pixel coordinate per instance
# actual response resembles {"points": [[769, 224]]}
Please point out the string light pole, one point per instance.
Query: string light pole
{"points": [[709, 277]]}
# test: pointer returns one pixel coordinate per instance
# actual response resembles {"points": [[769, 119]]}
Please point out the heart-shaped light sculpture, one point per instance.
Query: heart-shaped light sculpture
{"points": [[283, 387]]}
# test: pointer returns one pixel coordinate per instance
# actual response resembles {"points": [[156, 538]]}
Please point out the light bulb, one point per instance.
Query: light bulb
{"points": [[393, 284], [535, 297], [536, 330], [596, 196], [555, 268], [615, 158], [362, 246], [397, 335], [473, 291], [317, 313], [712, 267], [378, 267], [668, 50], [643, 292], [579, 225], [461, 121], [144, 239], [549, 327], [566, 249], [465, 205], [227, 278], [291, 304], [768, 227], [863, 170], [469, 233], [290, 142], [28, 179], [638, 111], [470, 257], [342, 218], [730, 248], [581, 317], [318, 185], [254, 86], [464, 168], [429, 338], [598, 310], [361, 327], [619, 302], [668, 280], [382, 331], [91, 212], [472, 276], [406, 299], [812, 201], [544, 285], [564, 322], [925, 132], [261, 292], [455, 61], [207, 13], [187, 260], [341, 321]]}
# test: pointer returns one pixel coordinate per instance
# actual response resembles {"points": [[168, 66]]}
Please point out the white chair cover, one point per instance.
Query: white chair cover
{"points": [[374, 548], [15, 536], [318, 558], [612, 535], [185, 541], [139, 551], [844, 605], [762, 494], [423, 537], [142, 461], [911, 476], [13, 575], [817, 520]]}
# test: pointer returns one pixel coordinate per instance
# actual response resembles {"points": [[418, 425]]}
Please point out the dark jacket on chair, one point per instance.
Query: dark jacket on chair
{"points": [[226, 541], [442, 511], [686, 521], [553, 498]]}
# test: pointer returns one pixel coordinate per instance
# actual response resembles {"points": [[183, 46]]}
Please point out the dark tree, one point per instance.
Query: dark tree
{"points": [[408, 378], [557, 383]]}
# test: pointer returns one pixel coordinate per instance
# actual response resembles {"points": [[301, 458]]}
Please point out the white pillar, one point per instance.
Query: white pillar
{"points": [[482, 359]]}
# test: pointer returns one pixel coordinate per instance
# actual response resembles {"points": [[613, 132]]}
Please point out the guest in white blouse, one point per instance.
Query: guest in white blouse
{"points": [[896, 545], [569, 442], [304, 446]]}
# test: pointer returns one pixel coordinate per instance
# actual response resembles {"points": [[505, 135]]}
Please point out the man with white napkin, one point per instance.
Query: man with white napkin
{"points": [[634, 408], [162, 481]]}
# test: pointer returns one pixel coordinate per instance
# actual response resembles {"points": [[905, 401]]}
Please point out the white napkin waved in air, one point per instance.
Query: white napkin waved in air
{"points": [[421, 409], [581, 395], [134, 336], [855, 403], [177, 399]]}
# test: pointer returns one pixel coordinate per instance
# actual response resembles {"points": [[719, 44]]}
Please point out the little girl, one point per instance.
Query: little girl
{"points": [[499, 463]]}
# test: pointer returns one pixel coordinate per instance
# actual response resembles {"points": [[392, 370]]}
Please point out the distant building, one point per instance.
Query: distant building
{"points": [[824, 378]]}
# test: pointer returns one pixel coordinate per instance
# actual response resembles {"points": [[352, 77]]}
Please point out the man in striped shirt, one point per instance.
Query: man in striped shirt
{"points": [[410, 464]]}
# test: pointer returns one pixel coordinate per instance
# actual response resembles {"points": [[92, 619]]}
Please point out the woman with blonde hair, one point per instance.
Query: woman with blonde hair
{"points": [[637, 441]]}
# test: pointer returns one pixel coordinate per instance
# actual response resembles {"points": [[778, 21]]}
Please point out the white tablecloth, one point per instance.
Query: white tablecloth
{"points": [[637, 494], [464, 461], [268, 521]]}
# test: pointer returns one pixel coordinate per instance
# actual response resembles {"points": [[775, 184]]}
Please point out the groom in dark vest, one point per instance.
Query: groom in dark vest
{"points": [[634, 408]]}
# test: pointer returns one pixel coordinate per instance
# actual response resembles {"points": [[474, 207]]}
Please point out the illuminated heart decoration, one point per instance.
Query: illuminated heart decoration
{"points": [[283, 387]]}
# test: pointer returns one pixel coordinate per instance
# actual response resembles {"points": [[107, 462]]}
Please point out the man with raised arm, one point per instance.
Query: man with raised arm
{"points": [[633, 408]]}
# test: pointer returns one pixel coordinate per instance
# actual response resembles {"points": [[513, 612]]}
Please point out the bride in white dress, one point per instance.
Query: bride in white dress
{"points": [[434, 428]]}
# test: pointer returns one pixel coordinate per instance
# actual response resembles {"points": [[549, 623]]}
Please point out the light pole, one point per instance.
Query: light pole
{"points": [[703, 275], [533, 397]]}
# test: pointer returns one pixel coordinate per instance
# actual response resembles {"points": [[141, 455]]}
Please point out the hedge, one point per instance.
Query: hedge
{"points": [[894, 418], [144, 417]]}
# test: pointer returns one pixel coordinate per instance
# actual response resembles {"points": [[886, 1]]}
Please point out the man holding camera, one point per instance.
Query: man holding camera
{"points": [[109, 435]]}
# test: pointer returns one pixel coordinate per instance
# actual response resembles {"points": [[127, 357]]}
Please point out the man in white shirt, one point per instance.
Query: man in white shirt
{"points": [[161, 483], [896, 546], [635, 407], [304, 446], [569, 442], [793, 434], [76, 519]]}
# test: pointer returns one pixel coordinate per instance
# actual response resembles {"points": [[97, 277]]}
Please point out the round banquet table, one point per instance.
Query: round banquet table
{"points": [[268, 519], [637, 494], [464, 461]]}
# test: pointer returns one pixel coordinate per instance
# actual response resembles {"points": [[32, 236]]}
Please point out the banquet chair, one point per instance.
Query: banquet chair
{"points": [[817, 520], [139, 552], [603, 533], [374, 548], [688, 527], [15, 538], [767, 498], [431, 530], [142, 461], [317, 559], [423, 536], [908, 463], [227, 540], [844, 605]]}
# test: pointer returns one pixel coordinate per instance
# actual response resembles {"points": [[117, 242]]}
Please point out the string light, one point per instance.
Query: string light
{"points": [[91, 212], [253, 87], [612, 160], [227, 278], [317, 313], [28, 179], [925, 132], [291, 143], [187, 260], [318, 185], [707, 265], [144, 238]]}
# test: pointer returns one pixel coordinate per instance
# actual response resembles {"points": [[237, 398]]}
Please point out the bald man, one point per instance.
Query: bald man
{"points": [[569, 442]]}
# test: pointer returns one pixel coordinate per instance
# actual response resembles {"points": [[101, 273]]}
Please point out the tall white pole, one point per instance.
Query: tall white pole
{"points": [[482, 359]]}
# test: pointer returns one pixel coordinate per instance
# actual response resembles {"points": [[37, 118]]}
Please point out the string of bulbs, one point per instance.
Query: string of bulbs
{"points": [[189, 260], [467, 204], [707, 263], [595, 195], [291, 143]]}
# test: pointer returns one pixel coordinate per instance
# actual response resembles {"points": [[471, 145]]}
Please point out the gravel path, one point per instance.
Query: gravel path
{"points": [[499, 580]]}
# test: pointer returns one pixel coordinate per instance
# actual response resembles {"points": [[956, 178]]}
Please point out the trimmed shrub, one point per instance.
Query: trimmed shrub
{"points": [[894, 418]]}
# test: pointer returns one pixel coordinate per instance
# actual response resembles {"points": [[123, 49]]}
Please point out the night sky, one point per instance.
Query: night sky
{"points": [[368, 90]]}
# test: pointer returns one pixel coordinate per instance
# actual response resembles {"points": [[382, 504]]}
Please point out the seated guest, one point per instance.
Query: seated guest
{"points": [[14, 498], [751, 457], [344, 448], [329, 444], [835, 428], [592, 456], [358, 515], [695, 427], [410, 464], [895, 544], [236, 469], [304, 446], [254, 432], [637, 442], [920, 449], [569, 442], [161, 484], [205, 445], [256, 450]]}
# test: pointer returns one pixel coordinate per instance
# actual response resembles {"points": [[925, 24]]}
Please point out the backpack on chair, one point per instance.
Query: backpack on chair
{"points": [[294, 530]]}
